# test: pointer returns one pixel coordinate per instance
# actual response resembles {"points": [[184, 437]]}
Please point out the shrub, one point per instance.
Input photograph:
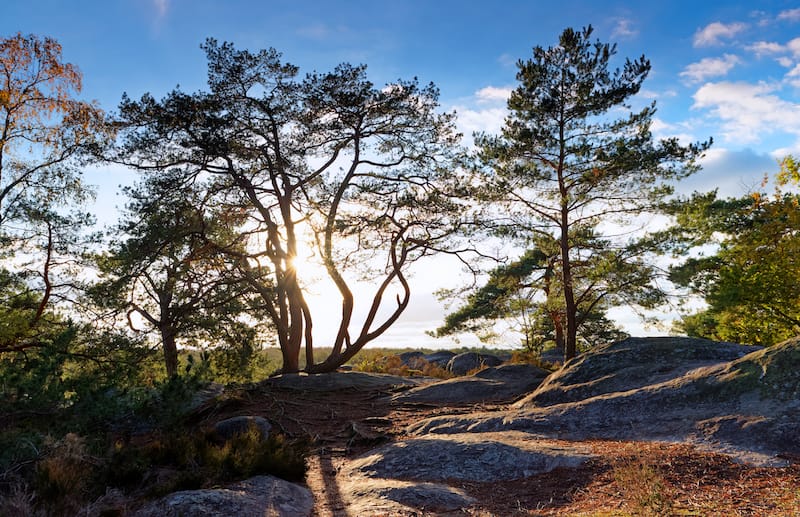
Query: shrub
{"points": [[643, 487]]}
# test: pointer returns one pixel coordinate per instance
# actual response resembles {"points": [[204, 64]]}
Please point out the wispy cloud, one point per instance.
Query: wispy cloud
{"points": [[710, 67], [792, 15], [624, 29], [763, 48], [493, 94], [714, 33], [748, 111]]}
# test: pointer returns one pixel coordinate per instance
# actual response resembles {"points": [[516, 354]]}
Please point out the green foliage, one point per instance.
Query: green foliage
{"points": [[364, 175], [197, 460], [382, 362], [564, 170], [752, 282]]}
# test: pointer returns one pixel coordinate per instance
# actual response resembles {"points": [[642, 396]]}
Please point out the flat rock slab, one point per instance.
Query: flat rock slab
{"points": [[631, 364], [499, 384], [469, 457], [367, 496], [261, 495], [341, 380], [748, 407]]}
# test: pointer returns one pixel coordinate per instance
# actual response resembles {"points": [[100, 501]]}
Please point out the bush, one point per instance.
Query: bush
{"points": [[643, 487]]}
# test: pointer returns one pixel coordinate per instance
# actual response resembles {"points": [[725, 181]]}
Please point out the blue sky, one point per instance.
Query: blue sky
{"points": [[727, 70]]}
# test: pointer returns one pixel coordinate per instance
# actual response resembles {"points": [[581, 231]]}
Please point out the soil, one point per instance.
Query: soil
{"points": [[624, 478]]}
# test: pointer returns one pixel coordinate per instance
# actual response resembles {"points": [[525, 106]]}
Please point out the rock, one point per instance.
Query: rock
{"points": [[466, 457], [424, 476], [440, 358], [413, 359], [630, 364], [338, 381], [748, 407], [394, 497], [503, 383], [261, 495], [230, 427], [461, 364], [552, 356]]}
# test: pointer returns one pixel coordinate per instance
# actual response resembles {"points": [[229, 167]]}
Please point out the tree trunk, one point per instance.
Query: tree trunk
{"points": [[170, 350]]}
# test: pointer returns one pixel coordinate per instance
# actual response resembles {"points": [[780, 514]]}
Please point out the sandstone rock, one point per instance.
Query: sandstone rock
{"points": [[749, 407], [394, 497], [461, 364], [230, 427], [468, 457], [440, 358], [412, 359], [339, 380], [631, 364], [261, 495], [503, 383]]}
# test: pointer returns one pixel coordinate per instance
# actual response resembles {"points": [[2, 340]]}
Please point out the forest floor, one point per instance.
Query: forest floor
{"points": [[623, 478]]}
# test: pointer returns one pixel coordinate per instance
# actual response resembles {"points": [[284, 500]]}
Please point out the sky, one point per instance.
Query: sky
{"points": [[726, 70]]}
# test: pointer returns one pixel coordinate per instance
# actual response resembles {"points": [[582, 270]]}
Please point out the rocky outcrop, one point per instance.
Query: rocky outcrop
{"points": [[423, 474], [504, 383], [261, 495], [230, 427], [462, 364], [749, 406], [339, 380], [440, 357], [631, 364]]}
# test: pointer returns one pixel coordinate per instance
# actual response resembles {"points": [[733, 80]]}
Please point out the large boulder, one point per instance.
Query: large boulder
{"points": [[261, 495], [412, 359], [503, 383], [440, 357], [749, 407], [631, 364], [231, 427], [338, 381], [462, 364]]}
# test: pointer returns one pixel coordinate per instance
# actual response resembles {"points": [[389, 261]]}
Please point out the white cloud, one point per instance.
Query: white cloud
{"points": [[471, 121], [710, 67], [732, 173], [785, 62], [624, 29], [748, 111], [493, 94], [794, 47], [792, 15], [761, 48], [794, 72], [713, 33], [653, 94]]}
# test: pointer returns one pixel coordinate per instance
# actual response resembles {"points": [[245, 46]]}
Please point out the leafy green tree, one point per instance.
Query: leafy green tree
{"points": [[565, 169], [361, 174], [751, 282], [525, 294], [165, 278], [44, 132]]}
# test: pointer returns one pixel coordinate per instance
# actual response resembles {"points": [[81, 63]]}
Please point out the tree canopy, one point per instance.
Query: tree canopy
{"points": [[751, 282], [564, 170], [44, 132], [364, 175]]}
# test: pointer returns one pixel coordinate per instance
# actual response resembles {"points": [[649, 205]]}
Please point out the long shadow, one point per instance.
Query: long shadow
{"points": [[334, 504]]}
